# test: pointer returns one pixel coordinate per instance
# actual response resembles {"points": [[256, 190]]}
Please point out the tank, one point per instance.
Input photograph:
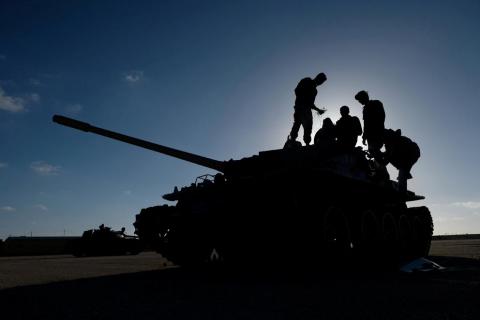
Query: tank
{"points": [[306, 204], [104, 241]]}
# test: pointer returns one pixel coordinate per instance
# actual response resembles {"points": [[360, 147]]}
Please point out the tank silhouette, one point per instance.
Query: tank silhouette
{"points": [[105, 241], [305, 204]]}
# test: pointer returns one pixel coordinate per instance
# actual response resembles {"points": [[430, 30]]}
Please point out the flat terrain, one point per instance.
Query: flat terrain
{"points": [[22, 271], [456, 248], [146, 287]]}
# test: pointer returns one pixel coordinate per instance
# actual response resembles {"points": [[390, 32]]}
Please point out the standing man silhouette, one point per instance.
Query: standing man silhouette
{"points": [[305, 94], [373, 123]]}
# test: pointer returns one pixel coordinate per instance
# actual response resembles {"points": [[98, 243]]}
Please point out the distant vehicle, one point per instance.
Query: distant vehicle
{"points": [[305, 204], [105, 241]]}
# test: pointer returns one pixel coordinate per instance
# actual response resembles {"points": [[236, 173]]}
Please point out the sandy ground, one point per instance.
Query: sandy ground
{"points": [[143, 287], [22, 271], [456, 248]]}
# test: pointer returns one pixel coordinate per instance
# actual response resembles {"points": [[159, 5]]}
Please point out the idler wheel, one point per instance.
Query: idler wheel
{"points": [[422, 228]]}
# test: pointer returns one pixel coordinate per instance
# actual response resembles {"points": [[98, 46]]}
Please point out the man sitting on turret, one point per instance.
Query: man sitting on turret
{"points": [[306, 92], [325, 136]]}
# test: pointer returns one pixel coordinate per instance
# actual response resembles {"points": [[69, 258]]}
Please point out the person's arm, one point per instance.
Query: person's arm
{"points": [[319, 111], [365, 134], [358, 126], [388, 155]]}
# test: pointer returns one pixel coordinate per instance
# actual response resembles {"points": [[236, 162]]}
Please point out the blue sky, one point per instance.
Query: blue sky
{"points": [[217, 78]]}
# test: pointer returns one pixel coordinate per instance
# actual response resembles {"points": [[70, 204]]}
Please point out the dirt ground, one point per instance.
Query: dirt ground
{"points": [[146, 287], [23, 271]]}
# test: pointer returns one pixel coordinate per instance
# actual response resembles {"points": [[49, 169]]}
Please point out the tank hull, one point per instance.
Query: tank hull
{"points": [[312, 214]]}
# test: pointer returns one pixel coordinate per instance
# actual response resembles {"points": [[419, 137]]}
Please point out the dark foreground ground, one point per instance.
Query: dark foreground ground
{"points": [[143, 287]]}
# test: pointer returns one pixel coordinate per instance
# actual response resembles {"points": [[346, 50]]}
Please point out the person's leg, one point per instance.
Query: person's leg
{"points": [[307, 127], [296, 126], [374, 147], [403, 175]]}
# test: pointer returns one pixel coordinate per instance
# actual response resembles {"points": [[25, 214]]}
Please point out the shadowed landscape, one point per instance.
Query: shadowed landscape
{"points": [[148, 287]]}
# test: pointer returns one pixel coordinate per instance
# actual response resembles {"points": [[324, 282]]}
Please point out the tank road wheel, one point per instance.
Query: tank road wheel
{"points": [[405, 235], [422, 227], [336, 231], [390, 243], [370, 238]]}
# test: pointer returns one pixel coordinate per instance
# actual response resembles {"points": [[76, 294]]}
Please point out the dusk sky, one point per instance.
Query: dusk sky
{"points": [[217, 78]]}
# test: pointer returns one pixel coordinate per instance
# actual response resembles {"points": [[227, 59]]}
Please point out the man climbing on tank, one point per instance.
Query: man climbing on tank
{"points": [[373, 124], [402, 153], [348, 129], [305, 94]]}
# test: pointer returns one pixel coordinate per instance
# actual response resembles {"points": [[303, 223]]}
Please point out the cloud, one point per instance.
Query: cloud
{"points": [[45, 169], [3, 165], [10, 103], [74, 109], [16, 104], [34, 82], [33, 97], [468, 204], [133, 76], [8, 209], [443, 219], [41, 207], [127, 192]]}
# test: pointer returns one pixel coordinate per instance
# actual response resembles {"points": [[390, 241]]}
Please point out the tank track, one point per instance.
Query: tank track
{"points": [[382, 235], [379, 235]]}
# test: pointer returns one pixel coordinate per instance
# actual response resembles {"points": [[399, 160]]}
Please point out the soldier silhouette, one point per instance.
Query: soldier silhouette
{"points": [[305, 94], [348, 129], [373, 123], [402, 153], [325, 136]]}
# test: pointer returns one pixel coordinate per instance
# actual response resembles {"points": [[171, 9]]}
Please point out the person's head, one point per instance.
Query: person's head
{"points": [[328, 124], [344, 111], [320, 78], [362, 97]]}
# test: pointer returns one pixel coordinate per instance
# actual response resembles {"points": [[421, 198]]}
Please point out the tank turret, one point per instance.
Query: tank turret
{"points": [[309, 201]]}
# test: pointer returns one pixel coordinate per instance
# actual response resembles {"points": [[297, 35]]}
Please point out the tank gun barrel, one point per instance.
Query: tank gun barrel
{"points": [[190, 157]]}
